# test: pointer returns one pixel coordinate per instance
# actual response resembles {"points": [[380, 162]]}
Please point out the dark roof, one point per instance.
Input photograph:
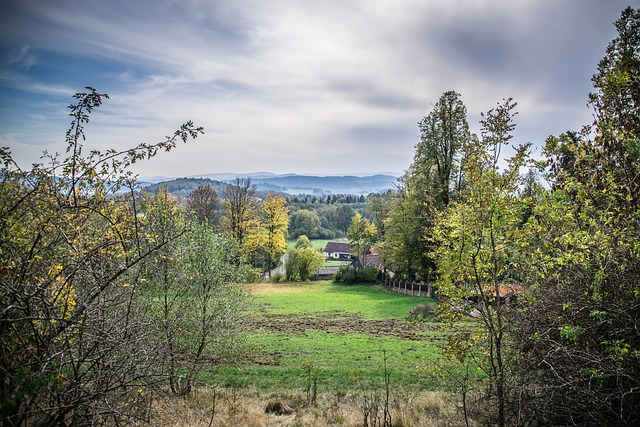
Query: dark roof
{"points": [[325, 273], [373, 260], [337, 247]]}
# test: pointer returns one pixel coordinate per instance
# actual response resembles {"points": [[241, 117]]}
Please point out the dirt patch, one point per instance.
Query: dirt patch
{"points": [[342, 323]]}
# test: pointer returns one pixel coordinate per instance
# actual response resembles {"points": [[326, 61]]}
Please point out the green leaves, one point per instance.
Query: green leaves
{"points": [[69, 251]]}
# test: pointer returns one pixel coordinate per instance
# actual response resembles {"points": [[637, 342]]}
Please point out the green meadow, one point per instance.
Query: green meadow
{"points": [[340, 335]]}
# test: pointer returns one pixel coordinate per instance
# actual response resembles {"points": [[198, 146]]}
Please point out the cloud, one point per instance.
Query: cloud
{"points": [[292, 86]]}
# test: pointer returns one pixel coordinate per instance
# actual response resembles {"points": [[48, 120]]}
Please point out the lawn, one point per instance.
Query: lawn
{"points": [[373, 302], [340, 333]]}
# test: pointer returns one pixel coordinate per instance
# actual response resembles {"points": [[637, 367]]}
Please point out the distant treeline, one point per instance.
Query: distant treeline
{"points": [[324, 216]]}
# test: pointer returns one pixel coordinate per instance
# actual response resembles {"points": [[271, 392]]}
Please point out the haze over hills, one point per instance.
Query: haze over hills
{"points": [[290, 183]]}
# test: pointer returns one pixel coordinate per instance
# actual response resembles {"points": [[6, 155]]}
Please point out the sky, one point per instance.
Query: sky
{"points": [[324, 87]]}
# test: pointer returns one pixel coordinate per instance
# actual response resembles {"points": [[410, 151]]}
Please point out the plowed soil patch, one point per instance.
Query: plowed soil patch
{"points": [[341, 322]]}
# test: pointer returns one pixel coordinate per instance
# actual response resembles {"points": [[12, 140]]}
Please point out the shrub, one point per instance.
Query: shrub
{"points": [[348, 275], [278, 277], [423, 311]]}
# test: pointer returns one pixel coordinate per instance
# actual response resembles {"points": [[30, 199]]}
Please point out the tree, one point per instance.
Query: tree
{"points": [[379, 206], [580, 328], [444, 133], [341, 217], [73, 348], [477, 242], [434, 178], [303, 260], [189, 286], [617, 83], [305, 222], [362, 236], [241, 218], [404, 246], [274, 225], [163, 224], [202, 204], [302, 242]]}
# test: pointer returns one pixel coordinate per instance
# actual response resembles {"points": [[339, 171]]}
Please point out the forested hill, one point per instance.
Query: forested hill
{"points": [[291, 184], [182, 187], [299, 184]]}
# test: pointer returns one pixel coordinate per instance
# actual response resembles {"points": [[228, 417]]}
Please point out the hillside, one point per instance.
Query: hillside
{"points": [[182, 187], [291, 184]]}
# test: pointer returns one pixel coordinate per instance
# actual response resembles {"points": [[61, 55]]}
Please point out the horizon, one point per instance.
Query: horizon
{"points": [[266, 174]]}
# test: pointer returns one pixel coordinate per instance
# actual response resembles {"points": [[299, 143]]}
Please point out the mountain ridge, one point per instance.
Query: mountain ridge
{"points": [[294, 184], [226, 176]]}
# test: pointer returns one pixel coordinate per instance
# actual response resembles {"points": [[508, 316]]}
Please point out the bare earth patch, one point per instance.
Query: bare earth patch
{"points": [[342, 323]]}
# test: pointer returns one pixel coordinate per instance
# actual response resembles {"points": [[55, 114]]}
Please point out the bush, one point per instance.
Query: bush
{"points": [[423, 311], [252, 275], [278, 277], [348, 275]]}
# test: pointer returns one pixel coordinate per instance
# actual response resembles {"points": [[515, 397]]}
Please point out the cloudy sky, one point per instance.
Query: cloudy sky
{"points": [[318, 87]]}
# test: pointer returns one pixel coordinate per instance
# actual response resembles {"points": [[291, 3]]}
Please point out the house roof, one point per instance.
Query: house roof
{"points": [[373, 260], [332, 247], [505, 289]]}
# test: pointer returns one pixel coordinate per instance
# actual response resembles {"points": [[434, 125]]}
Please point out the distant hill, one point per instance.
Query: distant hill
{"points": [[182, 187], [307, 184], [292, 184]]}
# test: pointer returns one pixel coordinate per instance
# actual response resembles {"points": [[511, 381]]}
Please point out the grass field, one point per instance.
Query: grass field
{"points": [[337, 333], [316, 243]]}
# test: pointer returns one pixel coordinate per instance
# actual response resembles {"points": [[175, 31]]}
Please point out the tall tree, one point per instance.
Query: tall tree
{"points": [[402, 246], [274, 226], [202, 204], [241, 218], [431, 182], [437, 160], [362, 234], [583, 319], [378, 206], [476, 245]]}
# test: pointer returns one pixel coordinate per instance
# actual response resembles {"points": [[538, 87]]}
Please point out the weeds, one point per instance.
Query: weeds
{"points": [[374, 403], [312, 382]]}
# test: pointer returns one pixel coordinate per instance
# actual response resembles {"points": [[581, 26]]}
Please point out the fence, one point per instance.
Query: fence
{"points": [[413, 288]]}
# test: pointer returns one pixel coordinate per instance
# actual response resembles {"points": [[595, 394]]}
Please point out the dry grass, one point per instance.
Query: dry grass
{"points": [[222, 408]]}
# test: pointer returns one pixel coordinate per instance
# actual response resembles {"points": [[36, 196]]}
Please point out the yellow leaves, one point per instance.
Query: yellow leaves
{"points": [[55, 269], [269, 234]]}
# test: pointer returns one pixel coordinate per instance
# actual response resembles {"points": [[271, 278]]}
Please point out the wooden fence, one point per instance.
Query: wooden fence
{"points": [[413, 288]]}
